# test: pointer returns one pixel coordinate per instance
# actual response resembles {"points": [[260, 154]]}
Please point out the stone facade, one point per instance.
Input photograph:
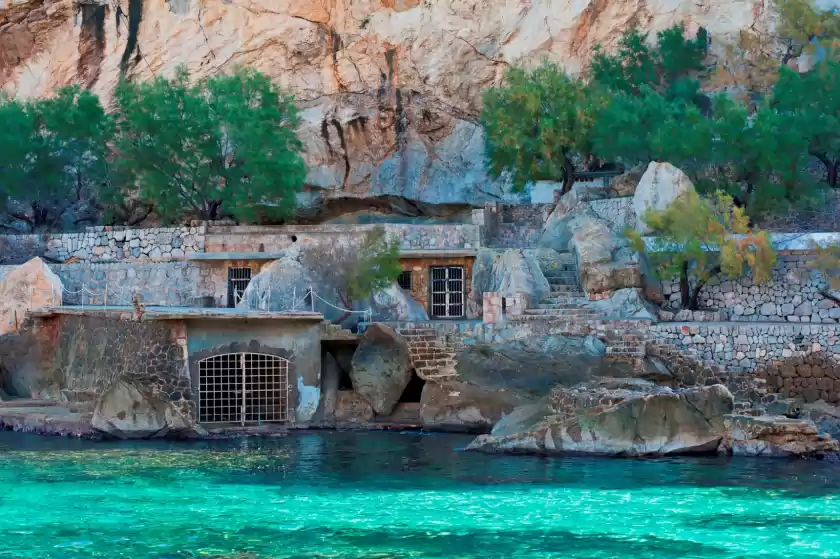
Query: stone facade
{"points": [[420, 269], [106, 244], [744, 348], [812, 377], [793, 294], [275, 239]]}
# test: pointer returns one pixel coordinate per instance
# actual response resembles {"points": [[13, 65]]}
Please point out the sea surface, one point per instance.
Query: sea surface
{"points": [[400, 495]]}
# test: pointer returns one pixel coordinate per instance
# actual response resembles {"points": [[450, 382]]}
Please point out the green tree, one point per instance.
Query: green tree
{"points": [[805, 26], [644, 127], [812, 100], [537, 125], [759, 158], [698, 238], [54, 158], [222, 146], [670, 67]]}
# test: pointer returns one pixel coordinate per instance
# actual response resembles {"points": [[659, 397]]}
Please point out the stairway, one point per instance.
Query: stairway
{"points": [[566, 301]]}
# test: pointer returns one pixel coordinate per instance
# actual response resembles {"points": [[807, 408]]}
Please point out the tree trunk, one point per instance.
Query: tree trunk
{"points": [[685, 298], [694, 302], [569, 180], [832, 174]]}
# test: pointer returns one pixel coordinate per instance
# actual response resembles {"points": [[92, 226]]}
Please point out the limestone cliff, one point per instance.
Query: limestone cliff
{"points": [[390, 88]]}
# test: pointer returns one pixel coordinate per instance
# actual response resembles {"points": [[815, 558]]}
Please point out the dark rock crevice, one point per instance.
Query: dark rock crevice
{"points": [[132, 48], [91, 43]]}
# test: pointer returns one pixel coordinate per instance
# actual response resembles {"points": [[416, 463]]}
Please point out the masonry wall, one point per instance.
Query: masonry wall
{"points": [[421, 278], [275, 239], [17, 249], [793, 294], [78, 357]]}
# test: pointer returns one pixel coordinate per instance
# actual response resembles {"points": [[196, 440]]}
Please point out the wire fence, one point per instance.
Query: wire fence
{"points": [[261, 300]]}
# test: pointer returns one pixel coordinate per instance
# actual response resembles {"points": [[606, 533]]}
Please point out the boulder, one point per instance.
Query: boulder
{"points": [[30, 285], [283, 285], [626, 183], [350, 407], [775, 436], [610, 276], [381, 367], [330, 380], [565, 221], [131, 410], [508, 272], [661, 184], [626, 303], [626, 417], [457, 406]]}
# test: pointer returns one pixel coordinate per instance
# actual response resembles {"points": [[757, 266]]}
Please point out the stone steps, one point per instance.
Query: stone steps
{"points": [[563, 300], [570, 291], [564, 312]]}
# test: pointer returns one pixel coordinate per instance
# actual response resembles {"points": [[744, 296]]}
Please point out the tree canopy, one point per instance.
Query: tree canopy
{"points": [[224, 144], [53, 158], [537, 125]]}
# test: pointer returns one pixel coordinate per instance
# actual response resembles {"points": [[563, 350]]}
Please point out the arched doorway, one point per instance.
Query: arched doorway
{"points": [[243, 388]]}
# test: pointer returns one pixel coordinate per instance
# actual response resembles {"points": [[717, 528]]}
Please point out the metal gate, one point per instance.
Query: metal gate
{"points": [[243, 388], [447, 291], [238, 280]]}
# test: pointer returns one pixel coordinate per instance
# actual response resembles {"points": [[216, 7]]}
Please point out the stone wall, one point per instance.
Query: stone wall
{"points": [[105, 244], [812, 377], [520, 226], [421, 276], [793, 294], [276, 239], [747, 347], [78, 357]]}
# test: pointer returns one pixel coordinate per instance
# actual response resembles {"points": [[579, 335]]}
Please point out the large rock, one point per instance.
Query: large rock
{"points": [[390, 90], [775, 436], [457, 406], [626, 303], [493, 379], [661, 184], [626, 417], [508, 272], [283, 285], [28, 286], [131, 410], [381, 368]]}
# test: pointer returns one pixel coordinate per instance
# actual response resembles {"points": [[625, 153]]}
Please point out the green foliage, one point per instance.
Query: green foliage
{"points": [[697, 238], [805, 23], [53, 157], [537, 123], [225, 145], [375, 265], [647, 127], [762, 157], [670, 68], [812, 101]]}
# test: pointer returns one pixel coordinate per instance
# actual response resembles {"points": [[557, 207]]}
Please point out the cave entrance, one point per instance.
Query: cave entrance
{"points": [[341, 351], [413, 390]]}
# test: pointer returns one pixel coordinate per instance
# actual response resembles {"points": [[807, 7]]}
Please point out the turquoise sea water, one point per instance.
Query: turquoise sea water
{"points": [[389, 495]]}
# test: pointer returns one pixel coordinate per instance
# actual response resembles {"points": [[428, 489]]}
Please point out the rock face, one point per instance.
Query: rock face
{"points": [[283, 285], [129, 410], [661, 184], [626, 303], [30, 285], [381, 368], [626, 417], [493, 380], [508, 272], [390, 89], [775, 436]]}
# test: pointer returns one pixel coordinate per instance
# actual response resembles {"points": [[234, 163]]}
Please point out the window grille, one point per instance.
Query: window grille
{"points": [[447, 291], [238, 280], [404, 280], [243, 388]]}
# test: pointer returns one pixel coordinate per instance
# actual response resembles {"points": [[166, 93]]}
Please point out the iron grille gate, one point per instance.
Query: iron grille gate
{"points": [[447, 291], [243, 388], [238, 280]]}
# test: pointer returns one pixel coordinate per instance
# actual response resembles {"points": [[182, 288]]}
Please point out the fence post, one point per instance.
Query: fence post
{"points": [[312, 298]]}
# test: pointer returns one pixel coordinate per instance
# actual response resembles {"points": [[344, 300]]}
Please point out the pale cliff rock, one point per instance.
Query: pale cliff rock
{"points": [[390, 89], [661, 184], [28, 286]]}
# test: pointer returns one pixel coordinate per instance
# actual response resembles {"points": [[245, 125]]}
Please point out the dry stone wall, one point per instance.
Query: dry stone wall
{"points": [[793, 294], [109, 244], [747, 347]]}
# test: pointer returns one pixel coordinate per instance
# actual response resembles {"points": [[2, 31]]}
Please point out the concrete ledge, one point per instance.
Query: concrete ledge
{"points": [[235, 256], [438, 253], [178, 313]]}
